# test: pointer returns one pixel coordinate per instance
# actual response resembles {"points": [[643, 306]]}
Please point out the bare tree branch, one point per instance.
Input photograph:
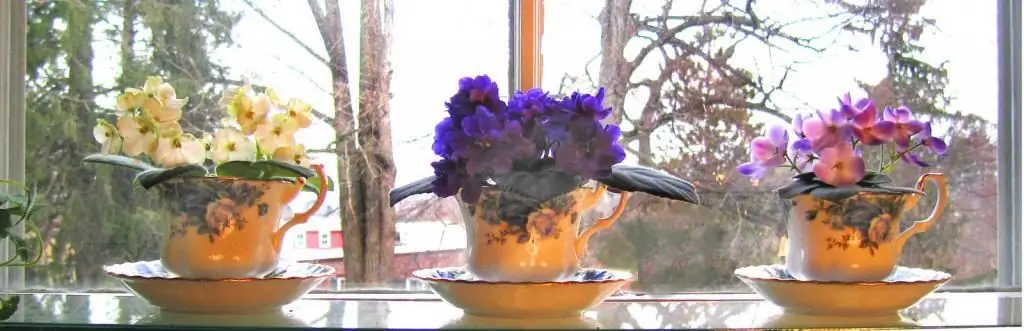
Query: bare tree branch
{"points": [[290, 35]]}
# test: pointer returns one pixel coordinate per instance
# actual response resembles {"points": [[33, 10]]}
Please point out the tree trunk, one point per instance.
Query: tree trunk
{"points": [[616, 30], [349, 183], [377, 164], [366, 171], [84, 231]]}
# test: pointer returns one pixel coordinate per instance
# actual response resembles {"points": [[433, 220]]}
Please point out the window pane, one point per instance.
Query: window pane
{"points": [[720, 81], [82, 55]]}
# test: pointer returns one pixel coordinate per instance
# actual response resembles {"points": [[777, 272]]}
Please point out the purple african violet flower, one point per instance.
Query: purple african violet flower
{"points": [[935, 144], [924, 137], [802, 155], [825, 142], [495, 146], [766, 152], [798, 125], [483, 138], [591, 156], [770, 151], [827, 129], [840, 165], [906, 124], [752, 169], [868, 128], [450, 177]]}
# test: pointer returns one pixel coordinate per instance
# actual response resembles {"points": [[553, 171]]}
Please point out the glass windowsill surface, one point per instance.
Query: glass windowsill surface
{"points": [[426, 311]]}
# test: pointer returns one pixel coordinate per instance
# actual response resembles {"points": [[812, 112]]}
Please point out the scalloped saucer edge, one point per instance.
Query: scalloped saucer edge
{"points": [[154, 284], [588, 288], [904, 288]]}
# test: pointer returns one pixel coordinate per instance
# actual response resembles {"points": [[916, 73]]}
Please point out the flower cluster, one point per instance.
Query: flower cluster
{"points": [[828, 143], [259, 127], [483, 138]]}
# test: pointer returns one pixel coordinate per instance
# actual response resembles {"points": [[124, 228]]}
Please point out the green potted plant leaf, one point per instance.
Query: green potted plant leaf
{"points": [[17, 209]]}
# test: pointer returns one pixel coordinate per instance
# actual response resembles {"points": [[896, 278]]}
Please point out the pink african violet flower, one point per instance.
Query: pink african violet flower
{"points": [[824, 142], [766, 152], [839, 165], [906, 125], [827, 129], [868, 128]]}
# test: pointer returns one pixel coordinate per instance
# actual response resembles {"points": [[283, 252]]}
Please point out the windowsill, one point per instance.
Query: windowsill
{"points": [[347, 310]]}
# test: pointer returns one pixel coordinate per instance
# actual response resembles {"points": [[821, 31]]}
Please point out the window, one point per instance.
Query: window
{"points": [[325, 240], [759, 74]]}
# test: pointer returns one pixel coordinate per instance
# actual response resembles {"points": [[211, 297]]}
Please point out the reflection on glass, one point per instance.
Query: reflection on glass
{"points": [[948, 310]]}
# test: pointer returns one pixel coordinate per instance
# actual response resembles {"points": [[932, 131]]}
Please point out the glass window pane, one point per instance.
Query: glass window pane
{"points": [[83, 54], [718, 82]]}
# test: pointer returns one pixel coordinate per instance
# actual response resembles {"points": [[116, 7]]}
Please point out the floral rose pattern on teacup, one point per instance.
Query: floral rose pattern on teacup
{"points": [[544, 223], [211, 206], [866, 219], [515, 213]]}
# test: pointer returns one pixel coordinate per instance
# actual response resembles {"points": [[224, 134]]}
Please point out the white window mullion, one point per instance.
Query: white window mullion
{"points": [[13, 23], [1010, 148]]}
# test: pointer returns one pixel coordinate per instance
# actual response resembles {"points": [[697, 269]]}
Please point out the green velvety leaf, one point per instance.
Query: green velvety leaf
{"points": [[149, 178], [118, 160], [312, 184], [242, 169], [6, 222], [796, 187], [21, 247], [832, 193], [272, 168], [874, 178], [8, 306]]}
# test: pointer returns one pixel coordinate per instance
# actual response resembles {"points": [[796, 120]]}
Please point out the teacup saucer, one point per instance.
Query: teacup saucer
{"points": [[904, 288], [151, 282], [588, 288]]}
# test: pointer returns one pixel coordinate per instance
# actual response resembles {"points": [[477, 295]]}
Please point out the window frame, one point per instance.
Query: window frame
{"points": [[525, 68], [1009, 200], [13, 34]]}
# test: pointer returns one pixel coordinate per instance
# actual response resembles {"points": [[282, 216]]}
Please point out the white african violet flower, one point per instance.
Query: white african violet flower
{"points": [[293, 154], [230, 144], [178, 151], [107, 135], [139, 137], [279, 132]]}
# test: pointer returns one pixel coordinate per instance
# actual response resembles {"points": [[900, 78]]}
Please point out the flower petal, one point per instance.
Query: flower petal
{"points": [[936, 145], [853, 171], [829, 156], [762, 149], [814, 127], [749, 169], [884, 129], [779, 135], [834, 117], [824, 172], [798, 125], [802, 145], [913, 126], [903, 114], [866, 118]]}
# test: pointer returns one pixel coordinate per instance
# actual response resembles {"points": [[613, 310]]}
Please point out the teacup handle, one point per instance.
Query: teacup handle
{"points": [[940, 206], [601, 224], [301, 218]]}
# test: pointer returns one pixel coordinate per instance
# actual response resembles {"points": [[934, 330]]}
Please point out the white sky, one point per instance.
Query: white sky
{"points": [[437, 42]]}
